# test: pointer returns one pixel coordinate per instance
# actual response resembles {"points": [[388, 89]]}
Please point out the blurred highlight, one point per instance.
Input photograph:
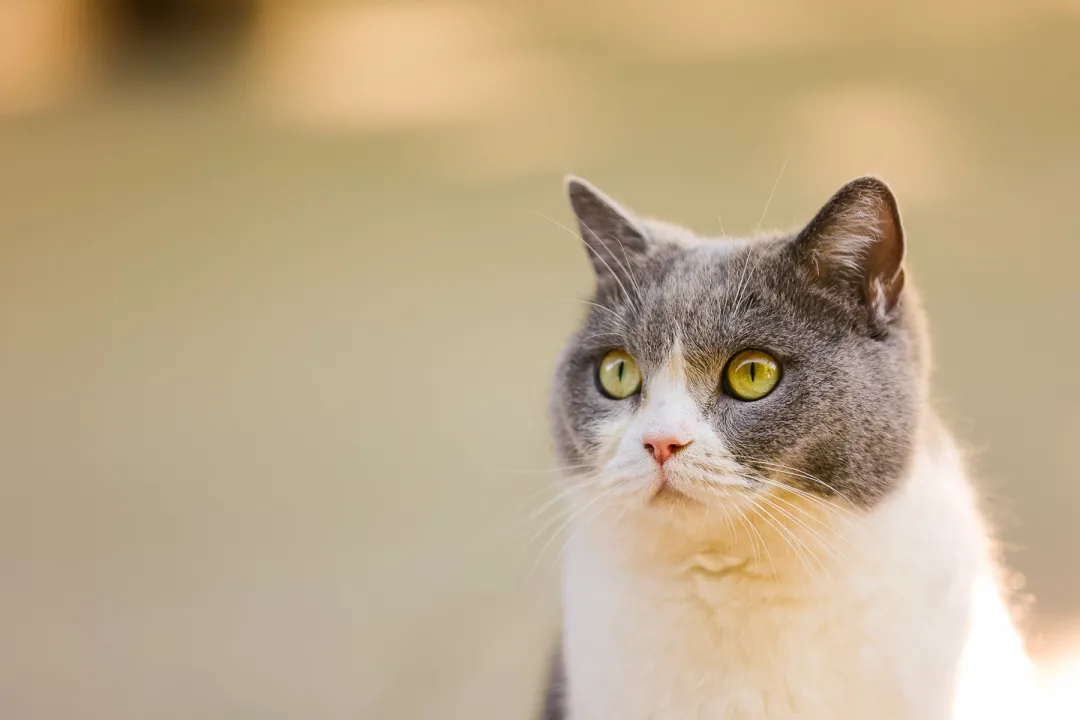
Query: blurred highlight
{"points": [[278, 306], [1060, 687]]}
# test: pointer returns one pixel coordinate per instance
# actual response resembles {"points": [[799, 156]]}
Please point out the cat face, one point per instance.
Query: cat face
{"points": [[707, 368]]}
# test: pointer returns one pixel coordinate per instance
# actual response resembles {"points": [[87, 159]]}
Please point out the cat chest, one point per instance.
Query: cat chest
{"points": [[677, 655]]}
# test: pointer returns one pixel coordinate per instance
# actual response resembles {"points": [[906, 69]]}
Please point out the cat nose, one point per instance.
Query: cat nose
{"points": [[663, 445]]}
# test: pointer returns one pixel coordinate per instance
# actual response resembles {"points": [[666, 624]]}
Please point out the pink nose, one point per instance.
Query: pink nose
{"points": [[662, 446]]}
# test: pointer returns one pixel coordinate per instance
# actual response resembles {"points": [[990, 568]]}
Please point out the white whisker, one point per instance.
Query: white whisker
{"points": [[829, 508], [824, 544], [590, 248], [623, 323], [787, 470], [772, 192], [765, 547], [747, 271], [579, 512], [601, 334], [630, 273], [787, 537]]}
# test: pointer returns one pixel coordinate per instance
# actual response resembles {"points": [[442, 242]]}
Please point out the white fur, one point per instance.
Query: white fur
{"points": [[706, 608]]}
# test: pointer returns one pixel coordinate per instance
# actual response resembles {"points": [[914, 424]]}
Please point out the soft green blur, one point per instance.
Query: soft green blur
{"points": [[278, 312]]}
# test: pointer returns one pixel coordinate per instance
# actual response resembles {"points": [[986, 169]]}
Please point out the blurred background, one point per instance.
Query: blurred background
{"points": [[279, 305]]}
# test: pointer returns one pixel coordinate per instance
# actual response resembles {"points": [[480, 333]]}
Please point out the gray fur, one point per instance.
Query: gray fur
{"points": [[828, 302]]}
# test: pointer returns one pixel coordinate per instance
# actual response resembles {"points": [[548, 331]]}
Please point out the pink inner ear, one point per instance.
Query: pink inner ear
{"points": [[886, 253]]}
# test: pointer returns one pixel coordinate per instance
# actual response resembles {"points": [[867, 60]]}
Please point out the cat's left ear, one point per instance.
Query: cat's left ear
{"points": [[856, 244], [611, 234]]}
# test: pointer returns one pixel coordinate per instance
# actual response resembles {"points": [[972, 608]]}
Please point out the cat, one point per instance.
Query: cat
{"points": [[768, 518]]}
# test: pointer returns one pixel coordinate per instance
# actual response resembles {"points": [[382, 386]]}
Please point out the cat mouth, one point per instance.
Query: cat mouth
{"points": [[663, 491]]}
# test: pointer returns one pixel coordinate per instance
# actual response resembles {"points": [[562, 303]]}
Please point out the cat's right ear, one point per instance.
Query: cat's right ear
{"points": [[856, 244], [611, 234]]}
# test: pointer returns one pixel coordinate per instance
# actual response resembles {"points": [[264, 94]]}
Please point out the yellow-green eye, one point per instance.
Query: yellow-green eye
{"points": [[752, 374], [619, 375]]}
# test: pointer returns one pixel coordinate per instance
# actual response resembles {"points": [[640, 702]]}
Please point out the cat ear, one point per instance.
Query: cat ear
{"points": [[613, 237], [856, 243]]}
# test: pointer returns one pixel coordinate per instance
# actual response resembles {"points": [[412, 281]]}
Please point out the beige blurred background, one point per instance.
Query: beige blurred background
{"points": [[278, 309]]}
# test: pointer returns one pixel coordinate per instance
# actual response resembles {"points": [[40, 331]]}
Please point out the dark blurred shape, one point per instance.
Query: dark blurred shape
{"points": [[167, 34]]}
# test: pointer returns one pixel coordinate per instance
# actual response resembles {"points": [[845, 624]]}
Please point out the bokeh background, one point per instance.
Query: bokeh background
{"points": [[282, 283]]}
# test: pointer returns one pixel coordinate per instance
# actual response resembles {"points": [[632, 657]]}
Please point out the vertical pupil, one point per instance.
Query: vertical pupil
{"points": [[621, 366], [753, 372]]}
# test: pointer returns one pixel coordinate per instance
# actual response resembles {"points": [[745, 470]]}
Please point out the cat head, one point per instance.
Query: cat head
{"points": [[710, 368]]}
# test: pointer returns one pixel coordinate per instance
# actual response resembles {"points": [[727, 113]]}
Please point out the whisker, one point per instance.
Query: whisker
{"points": [[831, 508], [629, 298], [558, 485], [730, 524], [786, 536], [748, 272], [629, 272], [771, 193], [609, 495], [573, 533], [773, 463], [765, 248], [541, 471], [764, 545], [592, 250], [825, 545], [738, 518], [602, 334], [788, 470], [781, 487], [560, 496], [737, 300], [545, 525], [573, 516], [624, 324], [802, 474]]}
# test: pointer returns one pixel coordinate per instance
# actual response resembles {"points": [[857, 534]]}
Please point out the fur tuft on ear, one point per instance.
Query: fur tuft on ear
{"points": [[614, 238], [856, 243]]}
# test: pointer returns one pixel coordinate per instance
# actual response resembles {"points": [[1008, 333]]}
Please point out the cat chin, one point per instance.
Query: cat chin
{"points": [[701, 486], [694, 495], [665, 494]]}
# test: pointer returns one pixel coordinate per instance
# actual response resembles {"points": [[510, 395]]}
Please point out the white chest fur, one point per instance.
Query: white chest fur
{"points": [[903, 621]]}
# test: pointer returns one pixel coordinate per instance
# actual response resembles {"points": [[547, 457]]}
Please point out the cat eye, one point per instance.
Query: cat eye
{"points": [[619, 375], [751, 375]]}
